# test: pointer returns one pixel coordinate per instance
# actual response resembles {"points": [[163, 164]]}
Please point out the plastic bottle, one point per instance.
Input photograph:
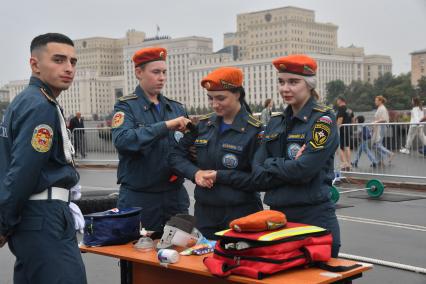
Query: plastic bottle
{"points": [[168, 256]]}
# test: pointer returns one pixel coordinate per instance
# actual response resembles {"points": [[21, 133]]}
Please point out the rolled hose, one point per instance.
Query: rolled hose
{"points": [[383, 263]]}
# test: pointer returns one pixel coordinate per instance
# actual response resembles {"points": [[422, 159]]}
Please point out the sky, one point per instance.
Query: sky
{"points": [[389, 27]]}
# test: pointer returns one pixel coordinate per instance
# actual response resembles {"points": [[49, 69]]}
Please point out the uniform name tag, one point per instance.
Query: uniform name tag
{"points": [[296, 136], [232, 147], [201, 141]]}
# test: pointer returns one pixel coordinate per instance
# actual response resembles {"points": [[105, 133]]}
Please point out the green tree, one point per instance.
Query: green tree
{"points": [[333, 90], [421, 88]]}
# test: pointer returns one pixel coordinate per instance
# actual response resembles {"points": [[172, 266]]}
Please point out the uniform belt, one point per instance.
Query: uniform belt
{"points": [[56, 193]]}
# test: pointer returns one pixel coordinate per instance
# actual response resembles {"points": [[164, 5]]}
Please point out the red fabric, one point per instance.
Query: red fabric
{"points": [[286, 253]]}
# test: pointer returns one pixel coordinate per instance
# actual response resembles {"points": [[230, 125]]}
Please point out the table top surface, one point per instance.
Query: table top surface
{"points": [[194, 264]]}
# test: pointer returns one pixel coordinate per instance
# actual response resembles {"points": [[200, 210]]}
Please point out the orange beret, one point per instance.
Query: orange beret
{"points": [[265, 220], [149, 54], [223, 78], [297, 64]]}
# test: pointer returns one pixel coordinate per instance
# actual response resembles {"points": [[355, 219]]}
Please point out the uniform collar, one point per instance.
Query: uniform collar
{"points": [[239, 124], [304, 114], [146, 103], [34, 81]]}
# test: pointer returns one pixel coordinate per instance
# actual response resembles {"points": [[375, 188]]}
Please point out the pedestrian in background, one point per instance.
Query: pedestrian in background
{"points": [[381, 116], [364, 136], [265, 116], [415, 129], [344, 116], [77, 122]]}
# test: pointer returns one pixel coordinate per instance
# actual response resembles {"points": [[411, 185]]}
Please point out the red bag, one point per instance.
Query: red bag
{"points": [[259, 254]]}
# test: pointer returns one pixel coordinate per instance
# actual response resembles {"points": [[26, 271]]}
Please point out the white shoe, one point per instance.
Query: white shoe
{"points": [[404, 151]]}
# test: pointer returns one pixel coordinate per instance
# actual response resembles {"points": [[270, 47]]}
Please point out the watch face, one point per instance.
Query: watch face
{"points": [[268, 17]]}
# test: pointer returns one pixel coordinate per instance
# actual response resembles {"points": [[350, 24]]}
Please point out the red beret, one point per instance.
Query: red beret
{"points": [[265, 220], [297, 64], [223, 78], [149, 54]]}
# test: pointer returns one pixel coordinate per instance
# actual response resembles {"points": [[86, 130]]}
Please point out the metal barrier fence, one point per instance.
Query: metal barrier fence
{"points": [[374, 151], [94, 145], [384, 149]]}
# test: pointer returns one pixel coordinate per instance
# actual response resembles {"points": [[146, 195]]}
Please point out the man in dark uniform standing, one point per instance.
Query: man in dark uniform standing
{"points": [[36, 171], [143, 128], [77, 122]]}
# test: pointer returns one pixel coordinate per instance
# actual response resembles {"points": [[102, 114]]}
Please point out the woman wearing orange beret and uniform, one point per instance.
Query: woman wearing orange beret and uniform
{"points": [[225, 143], [296, 158]]}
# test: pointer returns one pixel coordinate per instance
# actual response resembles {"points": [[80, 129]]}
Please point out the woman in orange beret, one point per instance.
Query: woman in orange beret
{"points": [[225, 143], [295, 161]]}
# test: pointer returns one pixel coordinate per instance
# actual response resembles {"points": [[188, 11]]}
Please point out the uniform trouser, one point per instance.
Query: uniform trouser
{"points": [[157, 207], [45, 245], [211, 219], [321, 215]]}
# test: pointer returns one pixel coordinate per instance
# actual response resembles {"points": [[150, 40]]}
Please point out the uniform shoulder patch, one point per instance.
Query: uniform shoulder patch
{"points": [[206, 116], [254, 121], [321, 130], [117, 119], [128, 97], [321, 108], [42, 138]]}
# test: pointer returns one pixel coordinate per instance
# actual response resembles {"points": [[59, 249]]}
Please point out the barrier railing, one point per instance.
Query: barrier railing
{"points": [[94, 145], [375, 154], [384, 149]]}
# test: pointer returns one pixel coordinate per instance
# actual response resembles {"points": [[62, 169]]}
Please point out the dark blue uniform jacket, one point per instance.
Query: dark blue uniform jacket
{"points": [[31, 152], [230, 153], [307, 180], [143, 142]]}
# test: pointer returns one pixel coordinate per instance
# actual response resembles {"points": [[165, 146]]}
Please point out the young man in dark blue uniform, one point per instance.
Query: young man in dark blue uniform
{"points": [[296, 159], [225, 142], [143, 127], [36, 171]]}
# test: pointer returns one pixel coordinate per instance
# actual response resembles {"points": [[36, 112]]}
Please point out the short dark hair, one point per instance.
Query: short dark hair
{"points": [[44, 39], [360, 118], [342, 98]]}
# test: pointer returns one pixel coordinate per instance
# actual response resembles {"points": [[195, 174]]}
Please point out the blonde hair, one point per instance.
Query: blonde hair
{"points": [[381, 98], [315, 94]]}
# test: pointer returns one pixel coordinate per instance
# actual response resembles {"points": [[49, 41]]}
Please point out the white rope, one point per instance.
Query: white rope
{"points": [[384, 263], [68, 147]]}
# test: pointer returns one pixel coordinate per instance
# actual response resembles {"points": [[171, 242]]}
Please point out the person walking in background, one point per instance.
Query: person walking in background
{"points": [[344, 116], [364, 135], [415, 129], [381, 116], [265, 116], [77, 122]]}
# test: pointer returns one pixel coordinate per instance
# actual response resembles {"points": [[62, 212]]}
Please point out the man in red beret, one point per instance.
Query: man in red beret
{"points": [[144, 127]]}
